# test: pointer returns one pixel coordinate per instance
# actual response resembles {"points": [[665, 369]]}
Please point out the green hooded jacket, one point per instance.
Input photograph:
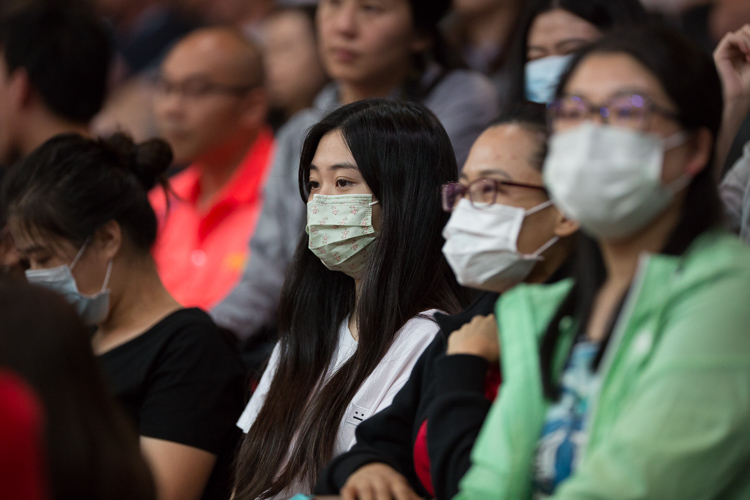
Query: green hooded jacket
{"points": [[671, 420]]}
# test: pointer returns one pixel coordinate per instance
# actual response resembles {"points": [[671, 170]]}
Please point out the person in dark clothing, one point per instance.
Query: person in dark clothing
{"points": [[78, 211], [503, 230]]}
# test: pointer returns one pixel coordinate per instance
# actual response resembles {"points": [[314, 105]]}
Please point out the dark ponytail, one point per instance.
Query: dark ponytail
{"points": [[71, 185]]}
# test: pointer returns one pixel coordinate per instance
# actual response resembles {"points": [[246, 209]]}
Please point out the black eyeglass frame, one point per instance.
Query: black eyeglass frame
{"points": [[463, 190]]}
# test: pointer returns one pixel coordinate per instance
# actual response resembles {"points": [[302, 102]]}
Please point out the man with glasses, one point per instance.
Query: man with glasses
{"points": [[210, 105]]}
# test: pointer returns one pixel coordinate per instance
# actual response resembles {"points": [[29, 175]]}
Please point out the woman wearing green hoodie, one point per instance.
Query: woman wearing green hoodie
{"points": [[631, 380]]}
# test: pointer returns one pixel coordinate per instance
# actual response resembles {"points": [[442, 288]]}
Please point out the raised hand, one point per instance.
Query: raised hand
{"points": [[732, 58]]}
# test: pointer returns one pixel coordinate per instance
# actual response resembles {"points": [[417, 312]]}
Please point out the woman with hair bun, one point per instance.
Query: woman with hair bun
{"points": [[79, 212]]}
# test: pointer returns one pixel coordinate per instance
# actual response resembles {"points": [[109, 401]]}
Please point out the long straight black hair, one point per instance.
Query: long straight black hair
{"points": [[689, 78], [606, 15], [404, 155]]}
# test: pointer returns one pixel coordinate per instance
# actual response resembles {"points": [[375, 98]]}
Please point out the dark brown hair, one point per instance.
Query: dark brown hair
{"points": [[92, 451], [70, 186]]}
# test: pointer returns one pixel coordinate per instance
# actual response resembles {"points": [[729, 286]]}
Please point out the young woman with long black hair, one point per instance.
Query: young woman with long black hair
{"points": [[356, 310], [630, 380], [370, 49]]}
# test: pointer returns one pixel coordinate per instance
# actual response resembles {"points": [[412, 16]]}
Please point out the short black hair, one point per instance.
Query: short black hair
{"points": [[66, 50]]}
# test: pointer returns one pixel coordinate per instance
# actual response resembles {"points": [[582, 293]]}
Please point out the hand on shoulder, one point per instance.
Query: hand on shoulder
{"points": [[478, 337]]}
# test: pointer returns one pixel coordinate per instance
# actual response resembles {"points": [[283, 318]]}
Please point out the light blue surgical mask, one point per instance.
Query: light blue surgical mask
{"points": [[93, 309], [543, 75]]}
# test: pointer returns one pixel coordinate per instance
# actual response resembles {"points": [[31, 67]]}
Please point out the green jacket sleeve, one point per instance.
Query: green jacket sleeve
{"points": [[683, 431]]}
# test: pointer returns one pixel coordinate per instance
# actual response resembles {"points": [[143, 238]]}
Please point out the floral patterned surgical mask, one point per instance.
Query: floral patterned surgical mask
{"points": [[340, 231]]}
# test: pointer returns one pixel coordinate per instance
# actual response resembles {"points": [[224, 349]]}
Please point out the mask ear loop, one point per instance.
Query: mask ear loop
{"points": [[80, 253], [675, 140], [106, 276], [373, 203], [538, 254], [538, 208]]}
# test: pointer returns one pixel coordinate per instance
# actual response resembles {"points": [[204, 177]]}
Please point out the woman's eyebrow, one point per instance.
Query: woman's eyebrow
{"points": [[578, 41], [335, 166], [339, 166], [495, 171]]}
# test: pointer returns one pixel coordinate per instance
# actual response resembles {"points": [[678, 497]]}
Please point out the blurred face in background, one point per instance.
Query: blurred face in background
{"points": [[208, 102], [557, 33], [294, 73], [368, 42]]}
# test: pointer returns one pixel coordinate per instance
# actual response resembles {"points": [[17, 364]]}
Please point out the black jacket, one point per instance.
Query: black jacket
{"points": [[448, 392]]}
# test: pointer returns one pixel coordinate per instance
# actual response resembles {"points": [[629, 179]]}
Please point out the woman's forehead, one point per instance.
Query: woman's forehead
{"points": [[600, 76]]}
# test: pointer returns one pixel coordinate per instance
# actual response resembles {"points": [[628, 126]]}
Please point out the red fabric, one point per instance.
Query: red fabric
{"points": [[22, 466], [421, 455], [422, 460], [200, 252], [492, 382]]}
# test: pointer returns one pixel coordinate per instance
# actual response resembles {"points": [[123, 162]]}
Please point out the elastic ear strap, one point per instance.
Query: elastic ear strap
{"points": [[80, 253], [539, 207], [544, 247], [106, 276]]}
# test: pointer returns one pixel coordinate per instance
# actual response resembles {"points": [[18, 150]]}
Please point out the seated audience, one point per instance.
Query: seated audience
{"points": [[88, 448], [550, 32], [503, 230], [393, 51], [358, 303], [54, 59], [79, 212], [623, 382], [210, 107]]}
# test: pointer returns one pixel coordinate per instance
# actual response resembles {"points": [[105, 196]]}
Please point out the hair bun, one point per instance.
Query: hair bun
{"points": [[148, 161]]}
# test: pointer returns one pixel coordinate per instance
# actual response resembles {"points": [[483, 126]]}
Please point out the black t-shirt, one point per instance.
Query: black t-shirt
{"points": [[182, 381]]}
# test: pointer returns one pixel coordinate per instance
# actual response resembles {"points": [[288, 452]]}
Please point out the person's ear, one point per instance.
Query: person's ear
{"points": [[564, 226], [19, 87], [108, 239], [255, 108], [700, 146]]}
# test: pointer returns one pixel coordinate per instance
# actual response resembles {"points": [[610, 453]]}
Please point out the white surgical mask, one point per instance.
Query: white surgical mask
{"points": [[92, 309], [608, 179], [481, 245], [543, 75]]}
